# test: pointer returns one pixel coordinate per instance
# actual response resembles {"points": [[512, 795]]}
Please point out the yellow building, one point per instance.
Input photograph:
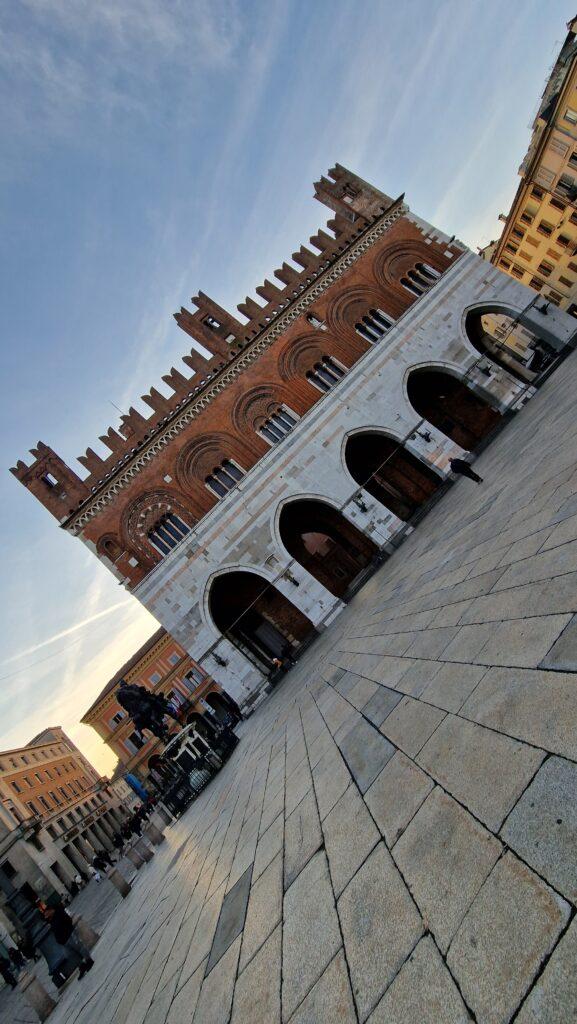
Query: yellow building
{"points": [[538, 245]]}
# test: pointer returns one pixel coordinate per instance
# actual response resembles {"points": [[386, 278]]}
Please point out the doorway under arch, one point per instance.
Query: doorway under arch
{"points": [[390, 473], [452, 407], [499, 336], [259, 620], [318, 536], [223, 706]]}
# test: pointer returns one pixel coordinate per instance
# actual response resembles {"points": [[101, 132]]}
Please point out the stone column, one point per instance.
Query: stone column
{"points": [[85, 848], [77, 860], [103, 836]]}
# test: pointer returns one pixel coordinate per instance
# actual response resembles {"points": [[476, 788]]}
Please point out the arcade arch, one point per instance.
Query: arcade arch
{"points": [[455, 409], [388, 471], [257, 618], [495, 331], [330, 548]]}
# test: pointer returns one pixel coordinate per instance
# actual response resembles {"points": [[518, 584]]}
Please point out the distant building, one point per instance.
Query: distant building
{"points": [[56, 812], [538, 245], [163, 666]]}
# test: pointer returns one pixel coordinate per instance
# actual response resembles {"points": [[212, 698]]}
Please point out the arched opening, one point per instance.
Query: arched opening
{"points": [[257, 619], [390, 473], [451, 406], [326, 544], [224, 706], [508, 343], [203, 726]]}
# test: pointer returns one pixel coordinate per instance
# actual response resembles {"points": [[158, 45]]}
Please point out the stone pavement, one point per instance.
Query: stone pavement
{"points": [[395, 838]]}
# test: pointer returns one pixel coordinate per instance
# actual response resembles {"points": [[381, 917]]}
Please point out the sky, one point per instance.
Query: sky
{"points": [[150, 150]]}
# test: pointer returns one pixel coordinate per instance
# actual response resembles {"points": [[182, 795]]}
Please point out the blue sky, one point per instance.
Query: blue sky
{"points": [[151, 149]]}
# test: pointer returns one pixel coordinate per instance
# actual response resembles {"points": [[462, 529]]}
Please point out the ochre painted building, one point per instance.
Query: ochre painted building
{"points": [[56, 813], [162, 666], [252, 502], [538, 245]]}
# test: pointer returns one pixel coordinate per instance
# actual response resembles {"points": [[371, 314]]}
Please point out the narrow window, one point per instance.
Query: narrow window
{"points": [[223, 478], [277, 426]]}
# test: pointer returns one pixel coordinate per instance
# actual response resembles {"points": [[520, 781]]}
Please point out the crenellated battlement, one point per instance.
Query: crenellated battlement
{"points": [[223, 336]]}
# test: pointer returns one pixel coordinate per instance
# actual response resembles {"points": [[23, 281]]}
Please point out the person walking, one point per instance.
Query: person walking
{"points": [[95, 874], [463, 468], [6, 972], [18, 961], [63, 930]]}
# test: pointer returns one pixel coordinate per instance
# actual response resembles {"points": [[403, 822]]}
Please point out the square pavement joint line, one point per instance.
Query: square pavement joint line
{"points": [[231, 918]]}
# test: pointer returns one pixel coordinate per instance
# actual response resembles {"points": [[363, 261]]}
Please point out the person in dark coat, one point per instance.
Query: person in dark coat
{"points": [[63, 930], [463, 468], [6, 972], [17, 958]]}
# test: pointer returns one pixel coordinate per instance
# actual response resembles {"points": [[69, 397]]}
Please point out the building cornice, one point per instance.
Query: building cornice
{"points": [[196, 405]]}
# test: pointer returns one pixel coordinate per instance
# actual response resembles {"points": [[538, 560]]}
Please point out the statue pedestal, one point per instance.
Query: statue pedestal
{"points": [[36, 995], [143, 850], [86, 934], [134, 856], [119, 882], [155, 834]]}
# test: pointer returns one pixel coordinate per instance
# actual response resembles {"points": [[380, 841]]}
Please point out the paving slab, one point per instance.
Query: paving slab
{"points": [[365, 752], [303, 837], [396, 795], [484, 770], [538, 707], [264, 910], [257, 991], [422, 993], [542, 827], [381, 926], [410, 725], [380, 705], [311, 934], [350, 834], [553, 999], [512, 925], [330, 999], [445, 856]]}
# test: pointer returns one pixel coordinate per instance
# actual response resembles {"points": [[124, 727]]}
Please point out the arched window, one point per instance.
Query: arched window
{"points": [[223, 478], [325, 374], [167, 532], [420, 278], [277, 426], [374, 325]]}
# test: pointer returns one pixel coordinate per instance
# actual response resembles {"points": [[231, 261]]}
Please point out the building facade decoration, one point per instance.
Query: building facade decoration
{"points": [[375, 334]]}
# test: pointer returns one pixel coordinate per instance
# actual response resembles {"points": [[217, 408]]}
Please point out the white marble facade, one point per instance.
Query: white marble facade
{"points": [[241, 532]]}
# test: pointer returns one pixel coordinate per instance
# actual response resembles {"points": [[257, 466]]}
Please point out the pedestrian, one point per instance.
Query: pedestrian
{"points": [[463, 468], [63, 930], [101, 862], [17, 958], [6, 972], [95, 874]]}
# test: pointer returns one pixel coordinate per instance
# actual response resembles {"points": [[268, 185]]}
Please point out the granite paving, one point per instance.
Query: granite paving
{"points": [[394, 840]]}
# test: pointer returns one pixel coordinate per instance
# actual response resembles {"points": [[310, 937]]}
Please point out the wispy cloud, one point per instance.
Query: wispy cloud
{"points": [[67, 632]]}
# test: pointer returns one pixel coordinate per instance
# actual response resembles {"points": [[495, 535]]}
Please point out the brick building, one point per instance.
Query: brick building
{"points": [[56, 812], [162, 666], [252, 502]]}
